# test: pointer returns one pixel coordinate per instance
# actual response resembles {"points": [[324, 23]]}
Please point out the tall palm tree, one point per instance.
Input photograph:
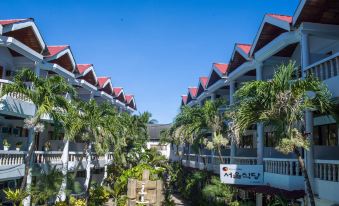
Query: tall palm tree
{"points": [[281, 103], [48, 96]]}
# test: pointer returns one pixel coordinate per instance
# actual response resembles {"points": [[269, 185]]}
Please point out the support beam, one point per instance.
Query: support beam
{"points": [[233, 144], [260, 125]]}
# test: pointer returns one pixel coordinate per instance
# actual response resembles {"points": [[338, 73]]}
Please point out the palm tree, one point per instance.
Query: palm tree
{"points": [[72, 123], [281, 103], [48, 96]]}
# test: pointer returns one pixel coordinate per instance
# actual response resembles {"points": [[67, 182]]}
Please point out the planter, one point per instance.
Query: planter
{"points": [[17, 149], [6, 148]]}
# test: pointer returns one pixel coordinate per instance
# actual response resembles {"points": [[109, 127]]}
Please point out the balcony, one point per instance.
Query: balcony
{"points": [[12, 162], [327, 70]]}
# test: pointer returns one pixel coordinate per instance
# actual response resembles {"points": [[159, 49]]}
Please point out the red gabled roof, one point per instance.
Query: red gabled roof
{"points": [[221, 67], [11, 21], [53, 50], [245, 47], [193, 91], [129, 98], [82, 67], [286, 18], [102, 81], [117, 90], [203, 81], [184, 98]]}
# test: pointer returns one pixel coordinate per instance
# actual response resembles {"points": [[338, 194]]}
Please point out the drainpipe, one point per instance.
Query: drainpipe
{"points": [[260, 125], [233, 144]]}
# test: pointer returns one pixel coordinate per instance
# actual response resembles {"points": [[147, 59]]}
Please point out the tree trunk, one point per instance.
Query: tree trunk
{"points": [[88, 170], [28, 158], [306, 178], [79, 162], [220, 156], [64, 159]]}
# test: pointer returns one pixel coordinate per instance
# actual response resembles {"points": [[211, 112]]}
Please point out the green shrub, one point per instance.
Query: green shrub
{"points": [[99, 195]]}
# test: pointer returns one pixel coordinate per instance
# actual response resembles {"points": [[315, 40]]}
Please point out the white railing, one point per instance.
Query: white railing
{"points": [[245, 160], [282, 166], [75, 156], [325, 68], [9, 158], [14, 95], [110, 156], [327, 170], [53, 157]]}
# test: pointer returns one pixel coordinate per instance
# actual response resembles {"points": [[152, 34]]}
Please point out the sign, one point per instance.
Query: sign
{"points": [[241, 174]]}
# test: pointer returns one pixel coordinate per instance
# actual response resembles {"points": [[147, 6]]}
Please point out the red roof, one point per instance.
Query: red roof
{"points": [[245, 47], [53, 50], [117, 90], [286, 18], [193, 91], [221, 67], [11, 21], [184, 98], [102, 81], [82, 67], [128, 98], [203, 81]]}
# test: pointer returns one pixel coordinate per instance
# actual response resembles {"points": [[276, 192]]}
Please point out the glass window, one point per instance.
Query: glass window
{"points": [[246, 141], [326, 135]]}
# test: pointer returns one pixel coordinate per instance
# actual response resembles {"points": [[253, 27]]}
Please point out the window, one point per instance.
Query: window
{"points": [[270, 140], [326, 135], [246, 141]]}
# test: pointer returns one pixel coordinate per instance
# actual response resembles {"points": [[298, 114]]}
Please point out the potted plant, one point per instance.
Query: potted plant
{"points": [[47, 146], [6, 144], [18, 146]]}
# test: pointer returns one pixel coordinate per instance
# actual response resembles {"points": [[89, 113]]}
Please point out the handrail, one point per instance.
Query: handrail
{"points": [[322, 61]]}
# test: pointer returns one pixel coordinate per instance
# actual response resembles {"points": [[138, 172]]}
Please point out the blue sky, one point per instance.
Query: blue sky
{"points": [[155, 49]]}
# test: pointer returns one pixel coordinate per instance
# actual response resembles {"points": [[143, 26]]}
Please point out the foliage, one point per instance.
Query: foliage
{"points": [[47, 184], [77, 202], [16, 196], [99, 195], [6, 143], [217, 190]]}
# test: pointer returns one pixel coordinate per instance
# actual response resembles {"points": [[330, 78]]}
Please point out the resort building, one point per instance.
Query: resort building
{"points": [[310, 39], [23, 46], [154, 131]]}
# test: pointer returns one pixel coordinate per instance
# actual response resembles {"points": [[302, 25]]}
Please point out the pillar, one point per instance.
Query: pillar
{"points": [[105, 169], [37, 69], [258, 199], [305, 52], [233, 144], [260, 125], [213, 97]]}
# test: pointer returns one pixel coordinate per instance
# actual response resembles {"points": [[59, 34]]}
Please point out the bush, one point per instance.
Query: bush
{"points": [[77, 202], [99, 195]]}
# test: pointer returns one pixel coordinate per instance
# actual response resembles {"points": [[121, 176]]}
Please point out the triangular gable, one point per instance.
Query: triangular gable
{"points": [[218, 71], [25, 31], [192, 93], [130, 102], [118, 93], [183, 100], [239, 56], [202, 85], [104, 84], [86, 72], [62, 56], [271, 27]]}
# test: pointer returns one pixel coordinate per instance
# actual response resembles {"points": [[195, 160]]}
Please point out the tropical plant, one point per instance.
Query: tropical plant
{"points": [[16, 196], [77, 202], [281, 103], [46, 187], [6, 143], [218, 191], [99, 195], [47, 94]]}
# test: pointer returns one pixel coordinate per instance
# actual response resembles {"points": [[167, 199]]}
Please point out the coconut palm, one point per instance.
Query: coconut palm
{"points": [[281, 103], [48, 96]]}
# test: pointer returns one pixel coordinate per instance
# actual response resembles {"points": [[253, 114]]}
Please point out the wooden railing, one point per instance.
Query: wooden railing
{"points": [[325, 68], [282, 166], [327, 170], [11, 158]]}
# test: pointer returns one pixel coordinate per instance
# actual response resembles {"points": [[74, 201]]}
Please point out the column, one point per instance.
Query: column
{"points": [[305, 52], [213, 97], [37, 69], [258, 199], [233, 144], [260, 125], [105, 169]]}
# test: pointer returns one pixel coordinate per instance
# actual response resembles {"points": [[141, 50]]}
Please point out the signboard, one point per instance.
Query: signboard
{"points": [[241, 174]]}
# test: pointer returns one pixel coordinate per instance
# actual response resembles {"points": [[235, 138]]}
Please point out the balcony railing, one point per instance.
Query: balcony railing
{"points": [[282, 166], [327, 170], [14, 95], [11, 158], [325, 68]]}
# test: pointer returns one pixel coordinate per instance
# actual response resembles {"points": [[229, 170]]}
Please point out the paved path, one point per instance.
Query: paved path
{"points": [[178, 201]]}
